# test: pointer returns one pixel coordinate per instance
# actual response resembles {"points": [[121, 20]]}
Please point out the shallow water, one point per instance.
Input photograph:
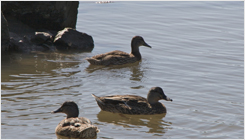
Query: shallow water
{"points": [[197, 57]]}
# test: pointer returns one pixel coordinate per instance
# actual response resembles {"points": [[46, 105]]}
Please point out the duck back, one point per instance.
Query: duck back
{"points": [[76, 128], [129, 104], [112, 58]]}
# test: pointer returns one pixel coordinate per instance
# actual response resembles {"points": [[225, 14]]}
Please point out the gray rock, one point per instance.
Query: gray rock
{"points": [[5, 39], [71, 39]]}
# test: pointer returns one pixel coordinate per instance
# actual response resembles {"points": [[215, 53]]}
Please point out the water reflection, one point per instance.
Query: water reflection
{"points": [[25, 77], [136, 70], [153, 122], [64, 137], [137, 73], [42, 63]]}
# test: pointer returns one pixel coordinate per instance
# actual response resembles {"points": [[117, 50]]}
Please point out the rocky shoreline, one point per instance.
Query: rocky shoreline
{"points": [[31, 26]]}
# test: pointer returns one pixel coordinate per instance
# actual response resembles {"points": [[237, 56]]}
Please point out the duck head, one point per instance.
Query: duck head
{"points": [[155, 94], [70, 108], [138, 41]]}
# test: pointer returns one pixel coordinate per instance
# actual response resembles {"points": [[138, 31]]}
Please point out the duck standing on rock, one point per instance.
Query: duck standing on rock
{"points": [[119, 57], [73, 126], [134, 105]]}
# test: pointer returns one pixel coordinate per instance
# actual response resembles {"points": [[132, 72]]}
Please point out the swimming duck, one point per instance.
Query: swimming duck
{"points": [[73, 126], [119, 57], [132, 104]]}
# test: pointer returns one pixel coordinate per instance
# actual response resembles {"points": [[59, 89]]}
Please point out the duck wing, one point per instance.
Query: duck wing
{"points": [[129, 104], [112, 58], [115, 53], [76, 128], [130, 99], [123, 101]]}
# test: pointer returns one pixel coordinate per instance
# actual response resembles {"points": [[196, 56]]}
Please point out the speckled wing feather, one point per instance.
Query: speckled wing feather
{"points": [[76, 128], [130, 99]]}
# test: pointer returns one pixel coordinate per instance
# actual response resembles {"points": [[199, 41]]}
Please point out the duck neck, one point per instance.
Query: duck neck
{"points": [[72, 114], [151, 98], [152, 101], [135, 51]]}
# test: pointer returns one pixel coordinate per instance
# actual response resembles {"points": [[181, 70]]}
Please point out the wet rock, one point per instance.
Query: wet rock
{"points": [[71, 39], [24, 44], [42, 38], [21, 38], [32, 25], [52, 15], [18, 44], [5, 39]]}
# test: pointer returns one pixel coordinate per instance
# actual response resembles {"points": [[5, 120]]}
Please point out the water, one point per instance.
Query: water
{"points": [[197, 57]]}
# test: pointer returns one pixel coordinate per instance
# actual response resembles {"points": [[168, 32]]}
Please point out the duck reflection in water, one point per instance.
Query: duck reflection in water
{"points": [[92, 68], [155, 123], [137, 72]]}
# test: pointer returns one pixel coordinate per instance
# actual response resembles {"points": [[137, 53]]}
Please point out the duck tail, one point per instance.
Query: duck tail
{"points": [[90, 132], [92, 61], [97, 99]]}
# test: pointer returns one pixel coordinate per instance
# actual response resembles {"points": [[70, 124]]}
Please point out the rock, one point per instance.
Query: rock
{"points": [[43, 40], [21, 38], [5, 39], [52, 15], [32, 24], [25, 44], [42, 37], [71, 39], [18, 44]]}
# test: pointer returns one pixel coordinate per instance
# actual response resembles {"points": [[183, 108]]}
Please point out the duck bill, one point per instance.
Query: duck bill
{"points": [[145, 44], [57, 111], [167, 99]]}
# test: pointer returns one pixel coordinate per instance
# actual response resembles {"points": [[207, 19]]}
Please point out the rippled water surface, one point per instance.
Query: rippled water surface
{"points": [[197, 57]]}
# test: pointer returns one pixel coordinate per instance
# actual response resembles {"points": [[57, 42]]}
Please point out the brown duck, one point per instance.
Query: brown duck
{"points": [[119, 57], [73, 126], [135, 105]]}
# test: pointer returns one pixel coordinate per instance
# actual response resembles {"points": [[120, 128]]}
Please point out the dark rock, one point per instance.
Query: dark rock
{"points": [[5, 39], [42, 37], [70, 39], [20, 38], [52, 15], [18, 44], [32, 24], [25, 45]]}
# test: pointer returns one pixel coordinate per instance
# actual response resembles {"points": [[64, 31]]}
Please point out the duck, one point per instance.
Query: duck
{"points": [[119, 57], [73, 126], [134, 105]]}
